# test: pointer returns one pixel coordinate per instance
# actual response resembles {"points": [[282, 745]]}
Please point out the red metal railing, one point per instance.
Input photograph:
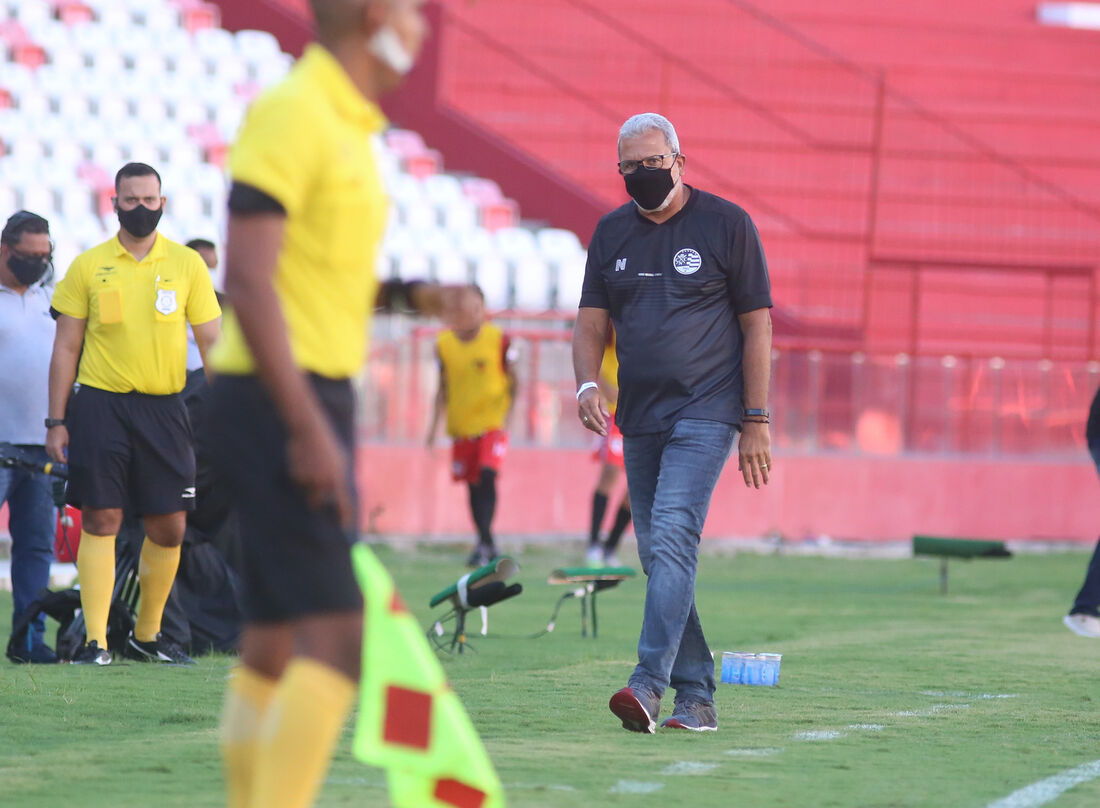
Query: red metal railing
{"points": [[824, 399]]}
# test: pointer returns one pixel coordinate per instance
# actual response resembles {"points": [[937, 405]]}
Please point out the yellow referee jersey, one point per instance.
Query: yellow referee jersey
{"points": [[135, 338], [478, 393], [307, 143]]}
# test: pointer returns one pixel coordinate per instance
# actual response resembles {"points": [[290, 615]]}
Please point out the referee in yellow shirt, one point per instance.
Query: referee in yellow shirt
{"points": [[307, 212], [122, 311]]}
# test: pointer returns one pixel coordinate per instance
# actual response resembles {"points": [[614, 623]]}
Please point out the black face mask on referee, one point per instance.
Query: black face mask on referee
{"points": [[139, 221]]}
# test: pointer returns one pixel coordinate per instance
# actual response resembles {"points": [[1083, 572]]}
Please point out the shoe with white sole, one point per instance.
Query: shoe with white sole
{"points": [[594, 556], [693, 714], [160, 649], [92, 654], [1083, 625]]}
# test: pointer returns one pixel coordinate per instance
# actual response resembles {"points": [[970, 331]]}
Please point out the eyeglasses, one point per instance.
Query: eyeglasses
{"points": [[652, 163]]}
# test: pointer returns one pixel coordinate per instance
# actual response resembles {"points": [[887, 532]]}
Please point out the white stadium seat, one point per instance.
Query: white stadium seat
{"points": [[412, 265], [9, 199], [476, 243], [570, 277], [76, 202], [215, 43], [441, 189], [533, 284], [557, 244], [451, 268], [133, 83], [459, 215], [516, 242], [256, 45], [38, 199], [418, 216], [32, 12], [491, 273], [405, 189]]}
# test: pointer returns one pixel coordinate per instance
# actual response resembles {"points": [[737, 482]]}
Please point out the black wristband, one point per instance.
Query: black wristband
{"points": [[52, 422]]}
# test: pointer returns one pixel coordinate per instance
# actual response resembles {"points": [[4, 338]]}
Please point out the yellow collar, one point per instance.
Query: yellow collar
{"points": [[320, 66], [159, 249]]}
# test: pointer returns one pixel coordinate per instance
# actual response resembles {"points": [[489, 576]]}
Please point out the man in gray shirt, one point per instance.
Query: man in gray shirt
{"points": [[26, 340]]}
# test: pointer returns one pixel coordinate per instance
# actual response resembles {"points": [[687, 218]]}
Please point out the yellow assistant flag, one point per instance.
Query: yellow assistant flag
{"points": [[410, 721]]}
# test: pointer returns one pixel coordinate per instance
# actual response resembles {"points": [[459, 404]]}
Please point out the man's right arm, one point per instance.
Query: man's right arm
{"points": [[589, 338], [67, 342]]}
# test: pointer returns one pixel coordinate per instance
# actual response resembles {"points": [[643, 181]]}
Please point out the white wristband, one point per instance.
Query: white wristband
{"points": [[585, 386]]}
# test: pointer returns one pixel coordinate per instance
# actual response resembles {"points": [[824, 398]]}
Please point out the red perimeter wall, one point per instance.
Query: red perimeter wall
{"points": [[549, 492]]}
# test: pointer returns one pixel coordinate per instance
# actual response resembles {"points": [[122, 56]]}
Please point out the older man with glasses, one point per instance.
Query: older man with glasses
{"points": [[681, 274]]}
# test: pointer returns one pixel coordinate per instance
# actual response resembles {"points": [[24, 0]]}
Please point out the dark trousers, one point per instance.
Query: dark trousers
{"points": [[1088, 599]]}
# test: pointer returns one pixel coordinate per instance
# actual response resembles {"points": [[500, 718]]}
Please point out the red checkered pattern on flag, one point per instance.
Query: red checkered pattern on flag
{"points": [[410, 721]]}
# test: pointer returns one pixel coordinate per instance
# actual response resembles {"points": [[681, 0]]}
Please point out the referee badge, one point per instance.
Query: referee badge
{"points": [[687, 261], [166, 301]]}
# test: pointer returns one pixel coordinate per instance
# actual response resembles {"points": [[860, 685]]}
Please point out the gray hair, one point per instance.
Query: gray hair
{"points": [[647, 122]]}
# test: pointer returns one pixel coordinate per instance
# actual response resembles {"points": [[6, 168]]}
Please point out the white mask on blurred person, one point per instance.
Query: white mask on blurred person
{"points": [[387, 48]]}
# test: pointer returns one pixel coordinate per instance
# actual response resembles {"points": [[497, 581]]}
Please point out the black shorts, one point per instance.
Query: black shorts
{"points": [[130, 449], [297, 559]]}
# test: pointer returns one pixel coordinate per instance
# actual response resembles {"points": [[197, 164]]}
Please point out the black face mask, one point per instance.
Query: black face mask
{"points": [[140, 221], [28, 270], [649, 186]]}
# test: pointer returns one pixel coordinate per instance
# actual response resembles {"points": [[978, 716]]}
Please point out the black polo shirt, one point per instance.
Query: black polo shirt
{"points": [[674, 291]]}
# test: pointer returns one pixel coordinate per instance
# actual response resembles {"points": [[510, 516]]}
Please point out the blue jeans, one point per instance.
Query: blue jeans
{"points": [[671, 476], [31, 520], [1088, 599]]}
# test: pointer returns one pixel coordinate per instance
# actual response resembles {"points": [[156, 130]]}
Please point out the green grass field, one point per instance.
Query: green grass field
{"points": [[891, 695]]}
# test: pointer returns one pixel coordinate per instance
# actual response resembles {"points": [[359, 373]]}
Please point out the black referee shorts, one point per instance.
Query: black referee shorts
{"points": [[130, 448], [297, 560]]}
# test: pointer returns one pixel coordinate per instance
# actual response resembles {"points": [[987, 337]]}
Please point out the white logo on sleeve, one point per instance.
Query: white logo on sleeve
{"points": [[189, 492], [166, 301], [620, 264], [687, 261]]}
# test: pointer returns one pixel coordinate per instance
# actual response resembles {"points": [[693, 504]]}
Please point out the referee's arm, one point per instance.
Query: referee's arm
{"points": [[67, 342], [314, 456], [206, 334]]}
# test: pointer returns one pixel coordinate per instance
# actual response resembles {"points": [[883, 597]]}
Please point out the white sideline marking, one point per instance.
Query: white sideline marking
{"points": [[867, 727], [935, 708], [634, 787], [764, 752], [818, 735], [1044, 791], [980, 696], [689, 767]]}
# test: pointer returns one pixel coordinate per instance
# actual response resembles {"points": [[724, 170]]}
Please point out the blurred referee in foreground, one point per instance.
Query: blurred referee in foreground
{"points": [[307, 212], [122, 311]]}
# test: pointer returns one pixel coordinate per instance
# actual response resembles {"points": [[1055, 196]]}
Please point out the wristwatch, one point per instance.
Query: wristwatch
{"points": [[759, 413], [51, 422]]}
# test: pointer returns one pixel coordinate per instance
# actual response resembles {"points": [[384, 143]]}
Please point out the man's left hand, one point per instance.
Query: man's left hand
{"points": [[754, 454]]}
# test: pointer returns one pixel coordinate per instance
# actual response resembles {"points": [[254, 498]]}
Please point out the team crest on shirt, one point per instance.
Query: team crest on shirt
{"points": [[166, 301], [687, 261]]}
